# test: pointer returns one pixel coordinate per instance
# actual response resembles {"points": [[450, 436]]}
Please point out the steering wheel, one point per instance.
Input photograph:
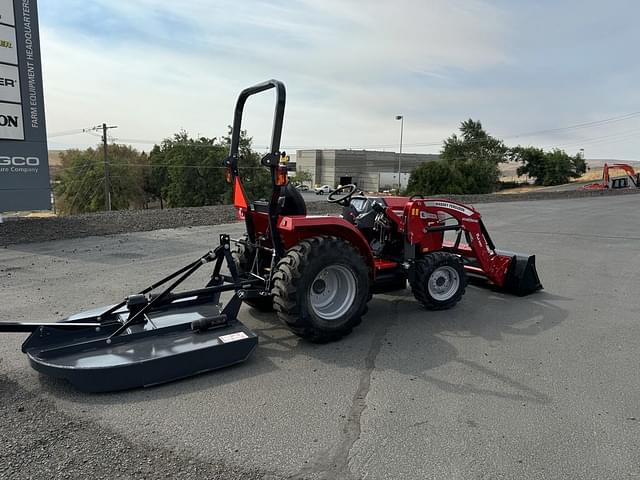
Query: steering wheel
{"points": [[417, 195], [342, 195]]}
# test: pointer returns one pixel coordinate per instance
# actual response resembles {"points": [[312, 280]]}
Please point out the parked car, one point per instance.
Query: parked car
{"points": [[302, 187], [322, 190]]}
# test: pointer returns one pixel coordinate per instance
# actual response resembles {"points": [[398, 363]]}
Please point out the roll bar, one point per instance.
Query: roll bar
{"points": [[278, 118], [270, 160]]}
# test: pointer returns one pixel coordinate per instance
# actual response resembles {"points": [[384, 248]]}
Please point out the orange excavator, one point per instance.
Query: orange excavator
{"points": [[630, 180]]}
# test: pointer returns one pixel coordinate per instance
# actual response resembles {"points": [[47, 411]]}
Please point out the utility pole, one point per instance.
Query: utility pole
{"points": [[401, 118], [107, 183]]}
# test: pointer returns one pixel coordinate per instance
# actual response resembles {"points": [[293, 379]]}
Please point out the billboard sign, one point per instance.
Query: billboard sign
{"points": [[24, 166]]}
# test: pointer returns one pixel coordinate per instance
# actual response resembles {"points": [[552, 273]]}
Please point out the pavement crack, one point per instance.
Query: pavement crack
{"points": [[336, 466]]}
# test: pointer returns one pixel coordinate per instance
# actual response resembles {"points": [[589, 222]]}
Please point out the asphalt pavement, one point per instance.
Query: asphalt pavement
{"points": [[541, 387]]}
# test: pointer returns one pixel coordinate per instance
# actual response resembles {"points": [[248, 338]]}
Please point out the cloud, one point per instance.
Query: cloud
{"points": [[155, 66]]}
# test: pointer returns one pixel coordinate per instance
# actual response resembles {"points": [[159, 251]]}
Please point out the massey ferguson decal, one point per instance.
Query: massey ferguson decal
{"points": [[450, 205]]}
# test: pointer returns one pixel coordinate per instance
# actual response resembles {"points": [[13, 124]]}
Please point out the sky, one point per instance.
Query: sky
{"points": [[545, 73]]}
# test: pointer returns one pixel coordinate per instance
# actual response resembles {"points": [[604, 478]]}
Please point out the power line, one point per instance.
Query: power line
{"points": [[577, 126], [66, 133], [606, 121], [596, 140]]}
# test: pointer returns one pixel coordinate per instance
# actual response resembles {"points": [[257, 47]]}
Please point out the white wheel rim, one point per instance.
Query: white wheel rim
{"points": [[443, 283], [332, 292]]}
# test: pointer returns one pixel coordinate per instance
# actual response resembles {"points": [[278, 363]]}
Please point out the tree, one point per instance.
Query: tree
{"points": [[255, 177], [79, 187], [436, 177], [156, 175], [468, 163], [533, 162], [548, 168], [301, 177], [188, 172]]}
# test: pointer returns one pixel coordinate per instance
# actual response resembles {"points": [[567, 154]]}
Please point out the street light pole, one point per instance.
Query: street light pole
{"points": [[401, 118]]}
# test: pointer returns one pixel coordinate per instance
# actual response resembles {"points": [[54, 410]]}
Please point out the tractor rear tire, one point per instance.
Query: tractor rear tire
{"points": [[438, 280], [243, 258], [321, 289]]}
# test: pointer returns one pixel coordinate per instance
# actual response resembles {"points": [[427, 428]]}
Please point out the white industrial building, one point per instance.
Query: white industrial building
{"points": [[371, 170]]}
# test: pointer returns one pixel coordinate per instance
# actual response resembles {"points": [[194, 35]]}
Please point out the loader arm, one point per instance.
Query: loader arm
{"points": [[425, 225]]}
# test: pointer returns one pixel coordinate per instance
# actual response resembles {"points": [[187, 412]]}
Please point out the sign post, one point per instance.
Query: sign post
{"points": [[24, 164]]}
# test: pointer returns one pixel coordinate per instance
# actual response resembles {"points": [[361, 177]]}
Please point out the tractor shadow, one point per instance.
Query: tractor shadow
{"points": [[412, 341]]}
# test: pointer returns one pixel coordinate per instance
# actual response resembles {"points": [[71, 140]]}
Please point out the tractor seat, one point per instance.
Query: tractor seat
{"points": [[294, 204], [291, 202]]}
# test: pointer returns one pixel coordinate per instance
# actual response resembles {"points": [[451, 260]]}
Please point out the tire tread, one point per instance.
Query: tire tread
{"points": [[286, 280], [424, 267]]}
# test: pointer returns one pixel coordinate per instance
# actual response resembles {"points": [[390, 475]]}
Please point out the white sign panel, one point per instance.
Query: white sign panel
{"points": [[8, 50], [11, 122], [6, 12], [9, 84]]}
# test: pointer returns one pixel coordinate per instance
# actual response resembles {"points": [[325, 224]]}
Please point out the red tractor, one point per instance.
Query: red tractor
{"points": [[319, 272]]}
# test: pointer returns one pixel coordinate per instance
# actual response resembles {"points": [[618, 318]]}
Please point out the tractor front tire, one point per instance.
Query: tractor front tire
{"points": [[243, 258], [438, 280], [321, 289]]}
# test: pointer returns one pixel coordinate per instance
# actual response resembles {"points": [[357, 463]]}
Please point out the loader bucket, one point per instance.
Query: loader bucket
{"points": [[522, 277]]}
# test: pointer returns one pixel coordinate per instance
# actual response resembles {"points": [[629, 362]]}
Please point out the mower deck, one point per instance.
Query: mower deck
{"points": [[160, 350]]}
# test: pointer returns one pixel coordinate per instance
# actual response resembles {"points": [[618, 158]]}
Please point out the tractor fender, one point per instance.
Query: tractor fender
{"points": [[295, 228]]}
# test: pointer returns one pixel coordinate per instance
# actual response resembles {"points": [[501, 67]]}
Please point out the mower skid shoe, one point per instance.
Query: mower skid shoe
{"points": [[522, 277]]}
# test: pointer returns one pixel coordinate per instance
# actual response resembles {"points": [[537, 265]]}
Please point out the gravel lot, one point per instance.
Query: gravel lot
{"points": [[27, 230], [39, 441]]}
